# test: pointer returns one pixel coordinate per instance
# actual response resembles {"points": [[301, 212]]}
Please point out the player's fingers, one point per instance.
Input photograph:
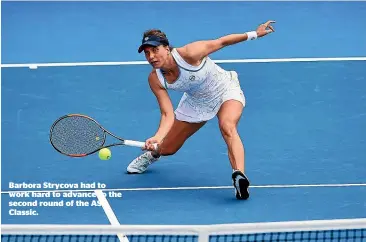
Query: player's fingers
{"points": [[271, 28], [146, 147], [149, 141], [153, 146]]}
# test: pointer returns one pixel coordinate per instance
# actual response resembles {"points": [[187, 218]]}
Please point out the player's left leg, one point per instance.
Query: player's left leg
{"points": [[229, 116]]}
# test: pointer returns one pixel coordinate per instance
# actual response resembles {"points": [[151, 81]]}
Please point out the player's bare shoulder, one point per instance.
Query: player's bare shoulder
{"points": [[189, 54], [183, 51], [154, 80]]}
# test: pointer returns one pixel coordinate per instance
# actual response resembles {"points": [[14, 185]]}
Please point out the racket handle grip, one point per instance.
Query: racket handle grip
{"points": [[134, 143], [138, 144]]}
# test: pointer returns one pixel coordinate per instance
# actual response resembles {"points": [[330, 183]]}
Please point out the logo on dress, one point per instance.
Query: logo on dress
{"points": [[192, 78]]}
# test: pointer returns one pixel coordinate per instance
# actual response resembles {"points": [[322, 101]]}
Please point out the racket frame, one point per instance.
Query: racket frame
{"points": [[105, 132]]}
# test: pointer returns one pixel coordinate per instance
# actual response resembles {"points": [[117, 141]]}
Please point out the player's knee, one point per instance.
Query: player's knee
{"points": [[228, 129]]}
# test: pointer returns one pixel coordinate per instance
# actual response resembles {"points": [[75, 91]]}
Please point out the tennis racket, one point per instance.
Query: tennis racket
{"points": [[78, 135]]}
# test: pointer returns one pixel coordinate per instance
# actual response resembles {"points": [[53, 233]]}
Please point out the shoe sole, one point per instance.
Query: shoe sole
{"points": [[243, 187], [134, 172]]}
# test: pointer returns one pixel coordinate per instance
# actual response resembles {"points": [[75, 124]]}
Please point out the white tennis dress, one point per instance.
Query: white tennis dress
{"points": [[206, 87]]}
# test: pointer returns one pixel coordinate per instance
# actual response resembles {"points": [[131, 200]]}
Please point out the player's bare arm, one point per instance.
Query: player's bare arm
{"points": [[196, 51], [165, 104]]}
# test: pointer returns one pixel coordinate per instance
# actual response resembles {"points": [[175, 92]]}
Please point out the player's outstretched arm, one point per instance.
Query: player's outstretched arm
{"points": [[166, 107], [195, 51]]}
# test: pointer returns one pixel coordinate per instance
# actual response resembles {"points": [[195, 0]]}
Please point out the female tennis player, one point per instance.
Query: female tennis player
{"points": [[208, 91]]}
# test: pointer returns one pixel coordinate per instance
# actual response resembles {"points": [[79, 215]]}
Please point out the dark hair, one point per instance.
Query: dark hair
{"points": [[158, 33]]}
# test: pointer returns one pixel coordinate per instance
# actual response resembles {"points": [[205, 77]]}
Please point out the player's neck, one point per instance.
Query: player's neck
{"points": [[170, 66]]}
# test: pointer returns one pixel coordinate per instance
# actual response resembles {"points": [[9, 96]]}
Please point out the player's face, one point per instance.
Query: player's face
{"points": [[156, 56]]}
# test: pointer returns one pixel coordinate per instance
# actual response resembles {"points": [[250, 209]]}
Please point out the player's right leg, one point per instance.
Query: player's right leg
{"points": [[173, 141]]}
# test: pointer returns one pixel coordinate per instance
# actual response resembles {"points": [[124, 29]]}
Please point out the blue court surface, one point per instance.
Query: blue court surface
{"points": [[304, 126]]}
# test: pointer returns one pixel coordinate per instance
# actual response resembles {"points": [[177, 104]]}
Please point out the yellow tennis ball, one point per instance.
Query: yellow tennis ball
{"points": [[105, 154]]}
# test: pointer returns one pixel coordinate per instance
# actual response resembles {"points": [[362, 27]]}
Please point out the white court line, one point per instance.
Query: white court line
{"points": [[196, 188], [108, 63], [109, 212]]}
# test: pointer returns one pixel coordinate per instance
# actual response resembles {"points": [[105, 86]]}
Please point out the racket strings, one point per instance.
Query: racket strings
{"points": [[77, 135]]}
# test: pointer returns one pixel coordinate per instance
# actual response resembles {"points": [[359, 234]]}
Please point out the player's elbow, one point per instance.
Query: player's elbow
{"points": [[213, 46], [168, 118], [223, 41], [217, 44], [168, 115]]}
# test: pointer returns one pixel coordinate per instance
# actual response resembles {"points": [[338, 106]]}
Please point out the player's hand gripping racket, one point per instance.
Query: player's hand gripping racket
{"points": [[78, 135]]}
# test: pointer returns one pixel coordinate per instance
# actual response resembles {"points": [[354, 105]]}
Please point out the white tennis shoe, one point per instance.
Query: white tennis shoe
{"points": [[141, 163]]}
